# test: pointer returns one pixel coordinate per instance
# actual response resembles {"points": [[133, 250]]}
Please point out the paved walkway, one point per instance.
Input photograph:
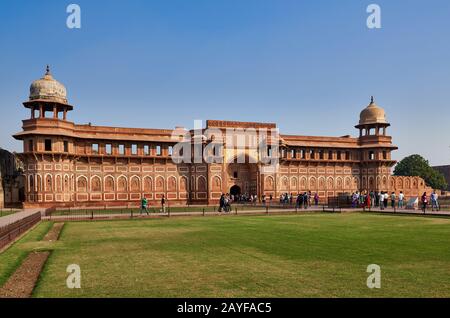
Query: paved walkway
{"points": [[11, 218], [404, 211], [128, 215]]}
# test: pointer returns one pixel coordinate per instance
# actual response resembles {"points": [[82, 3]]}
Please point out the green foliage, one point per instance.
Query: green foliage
{"points": [[416, 165]]}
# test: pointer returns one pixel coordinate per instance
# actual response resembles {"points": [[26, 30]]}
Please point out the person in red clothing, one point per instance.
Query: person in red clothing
{"points": [[368, 199], [424, 202]]}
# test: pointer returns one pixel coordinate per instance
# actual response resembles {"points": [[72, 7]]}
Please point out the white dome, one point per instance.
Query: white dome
{"points": [[47, 88]]}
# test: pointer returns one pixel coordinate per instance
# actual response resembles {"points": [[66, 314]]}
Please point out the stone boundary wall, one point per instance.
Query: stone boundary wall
{"points": [[11, 231]]}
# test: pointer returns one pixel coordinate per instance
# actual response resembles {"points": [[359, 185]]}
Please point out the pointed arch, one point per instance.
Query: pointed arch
{"points": [[135, 184], [39, 183], [96, 184], [321, 183], [294, 183], [82, 184], [30, 183], [330, 183], [48, 182], [312, 183], [347, 183], [109, 183], [184, 184], [66, 183], [160, 184], [339, 183], [171, 184], [201, 184], [284, 183], [122, 184], [148, 184], [216, 183], [268, 183]]}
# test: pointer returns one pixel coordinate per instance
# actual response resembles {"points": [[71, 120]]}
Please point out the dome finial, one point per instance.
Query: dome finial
{"points": [[371, 99], [47, 70]]}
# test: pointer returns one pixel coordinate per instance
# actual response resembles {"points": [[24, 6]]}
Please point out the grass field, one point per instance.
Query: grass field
{"points": [[320, 255]]}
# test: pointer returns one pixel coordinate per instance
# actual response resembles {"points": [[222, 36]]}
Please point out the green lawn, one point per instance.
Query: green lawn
{"points": [[11, 258], [320, 255]]}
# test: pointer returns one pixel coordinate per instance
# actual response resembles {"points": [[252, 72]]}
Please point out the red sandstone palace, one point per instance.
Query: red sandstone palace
{"points": [[67, 164]]}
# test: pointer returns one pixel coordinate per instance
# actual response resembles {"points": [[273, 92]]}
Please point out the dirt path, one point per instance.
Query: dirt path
{"points": [[21, 284]]}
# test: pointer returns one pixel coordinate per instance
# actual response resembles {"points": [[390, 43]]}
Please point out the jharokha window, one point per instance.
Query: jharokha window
{"points": [[95, 149], [108, 149], [48, 145], [121, 149]]}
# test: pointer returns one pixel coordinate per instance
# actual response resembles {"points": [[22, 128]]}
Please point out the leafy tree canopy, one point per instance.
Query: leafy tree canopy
{"points": [[416, 165]]}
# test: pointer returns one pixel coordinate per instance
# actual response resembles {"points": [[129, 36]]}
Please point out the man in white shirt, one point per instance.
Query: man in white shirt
{"points": [[434, 201], [401, 197]]}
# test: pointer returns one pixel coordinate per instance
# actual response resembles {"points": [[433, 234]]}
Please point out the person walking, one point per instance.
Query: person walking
{"points": [[305, 200], [316, 199], [381, 201], [144, 205], [401, 198], [393, 197], [372, 198], [424, 201], [434, 201], [163, 204], [386, 198], [298, 201], [221, 202]]}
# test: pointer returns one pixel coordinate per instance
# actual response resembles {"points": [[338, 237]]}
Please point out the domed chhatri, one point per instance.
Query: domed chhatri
{"points": [[48, 89], [372, 114]]}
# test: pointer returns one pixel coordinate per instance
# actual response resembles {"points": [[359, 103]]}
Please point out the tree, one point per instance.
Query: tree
{"points": [[416, 165]]}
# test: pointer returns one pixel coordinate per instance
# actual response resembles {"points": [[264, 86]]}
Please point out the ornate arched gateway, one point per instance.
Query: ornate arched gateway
{"points": [[242, 175]]}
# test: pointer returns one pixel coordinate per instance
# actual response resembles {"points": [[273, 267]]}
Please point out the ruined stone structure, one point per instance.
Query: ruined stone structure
{"points": [[12, 183], [68, 164]]}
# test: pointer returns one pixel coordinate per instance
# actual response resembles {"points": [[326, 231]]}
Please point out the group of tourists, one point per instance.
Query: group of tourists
{"points": [[242, 198], [225, 203], [434, 201], [384, 199], [304, 200], [377, 199]]}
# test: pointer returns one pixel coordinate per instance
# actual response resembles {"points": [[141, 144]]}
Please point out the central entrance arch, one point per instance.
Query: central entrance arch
{"points": [[235, 190]]}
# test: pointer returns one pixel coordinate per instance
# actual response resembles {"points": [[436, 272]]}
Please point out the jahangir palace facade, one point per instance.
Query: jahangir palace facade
{"points": [[68, 164]]}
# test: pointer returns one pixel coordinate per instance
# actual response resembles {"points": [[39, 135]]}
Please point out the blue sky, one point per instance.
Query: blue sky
{"points": [[309, 66]]}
